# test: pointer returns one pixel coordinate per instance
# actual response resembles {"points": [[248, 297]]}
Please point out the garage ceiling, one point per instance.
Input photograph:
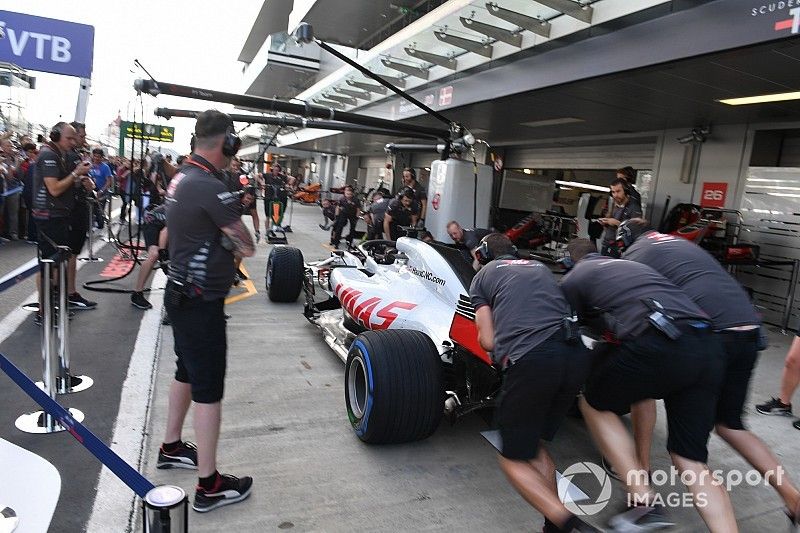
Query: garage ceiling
{"points": [[676, 95]]}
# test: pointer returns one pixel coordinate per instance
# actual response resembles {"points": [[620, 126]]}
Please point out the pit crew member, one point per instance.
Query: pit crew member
{"points": [[398, 213]]}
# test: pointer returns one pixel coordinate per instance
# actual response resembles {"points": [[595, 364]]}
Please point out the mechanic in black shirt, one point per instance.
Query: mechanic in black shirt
{"points": [[374, 214], [80, 225], [420, 205], [665, 349], [621, 207], [398, 213], [465, 240], [275, 188], [54, 183], [206, 232], [734, 320], [348, 209], [543, 369]]}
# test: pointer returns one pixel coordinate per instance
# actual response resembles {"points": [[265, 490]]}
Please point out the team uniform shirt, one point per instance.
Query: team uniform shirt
{"points": [[378, 210], [509, 287], [401, 216], [198, 205], [420, 197], [699, 275], [156, 217], [50, 164], [616, 292], [74, 158], [470, 241], [632, 209], [348, 208], [100, 174]]}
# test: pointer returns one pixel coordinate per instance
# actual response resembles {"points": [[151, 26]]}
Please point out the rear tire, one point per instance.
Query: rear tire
{"points": [[393, 386], [285, 272]]}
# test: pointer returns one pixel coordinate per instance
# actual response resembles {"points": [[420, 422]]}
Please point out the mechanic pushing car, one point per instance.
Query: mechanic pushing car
{"points": [[664, 348], [399, 213], [544, 365], [735, 322]]}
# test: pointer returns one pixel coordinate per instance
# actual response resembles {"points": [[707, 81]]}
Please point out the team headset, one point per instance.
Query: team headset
{"points": [[484, 255], [55, 132], [230, 146]]}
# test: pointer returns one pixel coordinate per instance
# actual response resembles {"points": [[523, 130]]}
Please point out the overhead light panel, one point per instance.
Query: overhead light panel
{"points": [[551, 122], [510, 37], [579, 185], [349, 100], [442, 61], [537, 26], [411, 70], [476, 47], [328, 103], [762, 99], [371, 87], [570, 8]]}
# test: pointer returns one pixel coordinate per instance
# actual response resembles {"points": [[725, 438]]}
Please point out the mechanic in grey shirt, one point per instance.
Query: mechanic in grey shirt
{"points": [[520, 313], [735, 322], [668, 352]]}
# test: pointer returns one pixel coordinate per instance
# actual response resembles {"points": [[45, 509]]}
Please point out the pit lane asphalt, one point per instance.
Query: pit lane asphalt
{"points": [[284, 423]]}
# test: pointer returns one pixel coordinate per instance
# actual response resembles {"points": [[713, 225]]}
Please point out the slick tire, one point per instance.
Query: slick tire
{"points": [[393, 386], [285, 271]]}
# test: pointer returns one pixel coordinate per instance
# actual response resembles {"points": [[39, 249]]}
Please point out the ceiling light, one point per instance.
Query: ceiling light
{"points": [[527, 171], [552, 122], [579, 185], [763, 99]]}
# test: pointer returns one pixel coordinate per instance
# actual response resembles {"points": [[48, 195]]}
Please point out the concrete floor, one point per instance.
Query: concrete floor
{"points": [[284, 423]]}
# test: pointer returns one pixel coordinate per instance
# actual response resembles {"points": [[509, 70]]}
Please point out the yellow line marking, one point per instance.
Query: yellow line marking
{"points": [[249, 286]]}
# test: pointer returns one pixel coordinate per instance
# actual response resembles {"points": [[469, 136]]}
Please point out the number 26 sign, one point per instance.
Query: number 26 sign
{"points": [[714, 194]]}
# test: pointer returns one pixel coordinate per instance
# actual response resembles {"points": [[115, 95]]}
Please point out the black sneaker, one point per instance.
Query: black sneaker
{"points": [[184, 457], [640, 518], [796, 424], [138, 300], [76, 301], [774, 407], [228, 490]]}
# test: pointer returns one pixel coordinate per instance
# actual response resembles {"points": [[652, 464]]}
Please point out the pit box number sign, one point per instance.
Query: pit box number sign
{"points": [[714, 195]]}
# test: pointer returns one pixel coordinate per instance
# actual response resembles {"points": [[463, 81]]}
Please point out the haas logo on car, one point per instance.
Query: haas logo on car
{"points": [[370, 312]]}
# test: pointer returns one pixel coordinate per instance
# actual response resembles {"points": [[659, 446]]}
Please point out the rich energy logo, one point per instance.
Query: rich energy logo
{"points": [[793, 7], [424, 274]]}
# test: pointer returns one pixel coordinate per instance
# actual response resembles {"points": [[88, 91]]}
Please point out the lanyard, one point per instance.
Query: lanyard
{"points": [[191, 161]]}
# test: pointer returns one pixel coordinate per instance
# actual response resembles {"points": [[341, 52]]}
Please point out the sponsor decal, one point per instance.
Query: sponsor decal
{"points": [[446, 95], [370, 312], [437, 201], [429, 276]]}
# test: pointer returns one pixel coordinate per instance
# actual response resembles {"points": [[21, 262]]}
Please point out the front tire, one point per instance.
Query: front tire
{"points": [[393, 386], [285, 272]]}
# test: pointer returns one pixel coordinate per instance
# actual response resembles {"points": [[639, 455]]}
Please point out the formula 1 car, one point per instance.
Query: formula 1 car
{"points": [[399, 315]]}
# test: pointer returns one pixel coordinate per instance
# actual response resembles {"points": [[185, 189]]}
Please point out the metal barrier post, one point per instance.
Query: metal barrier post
{"points": [[66, 383], [91, 257], [165, 509], [787, 310], [42, 421]]}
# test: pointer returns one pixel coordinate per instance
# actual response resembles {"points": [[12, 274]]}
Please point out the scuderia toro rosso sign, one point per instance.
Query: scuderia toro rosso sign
{"points": [[789, 8]]}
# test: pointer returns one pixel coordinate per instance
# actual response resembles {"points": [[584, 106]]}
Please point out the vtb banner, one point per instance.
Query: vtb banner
{"points": [[46, 45]]}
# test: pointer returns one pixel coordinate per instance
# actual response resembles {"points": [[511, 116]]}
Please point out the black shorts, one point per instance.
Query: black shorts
{"points": [[151, 233], [741, 354], [538, 391], [198, 327], [57, 230], [686, 373], [79, 226]]}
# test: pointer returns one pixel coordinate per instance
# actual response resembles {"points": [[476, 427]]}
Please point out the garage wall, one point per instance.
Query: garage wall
{"points": [[583, 157]]}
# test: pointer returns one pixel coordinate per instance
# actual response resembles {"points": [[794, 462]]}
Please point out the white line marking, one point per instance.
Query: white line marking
{"points": [[115, 506]]}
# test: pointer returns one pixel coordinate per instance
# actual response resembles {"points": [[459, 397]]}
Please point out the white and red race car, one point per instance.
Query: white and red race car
{"points": [[399, 315]]}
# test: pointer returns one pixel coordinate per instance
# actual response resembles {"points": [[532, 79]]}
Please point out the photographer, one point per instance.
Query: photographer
{"points": [[206, 233], [544, 367], [663, 347], [53, 194]]}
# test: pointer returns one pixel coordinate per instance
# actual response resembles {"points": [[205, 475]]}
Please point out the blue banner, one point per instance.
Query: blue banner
{"points": [[46, 45], [125, 472]]}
